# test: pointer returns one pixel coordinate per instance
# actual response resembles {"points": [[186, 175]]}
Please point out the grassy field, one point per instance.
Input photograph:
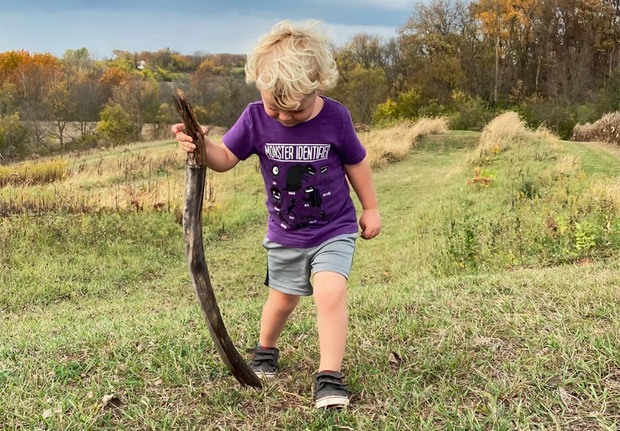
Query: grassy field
{"points": [[491, 301]]}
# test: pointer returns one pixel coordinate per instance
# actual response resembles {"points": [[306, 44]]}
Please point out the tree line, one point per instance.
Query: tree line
{"points": [[556, 62]]}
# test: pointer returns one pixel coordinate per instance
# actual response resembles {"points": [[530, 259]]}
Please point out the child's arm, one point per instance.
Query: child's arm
{"points": [[360, 178], [219, 158]]}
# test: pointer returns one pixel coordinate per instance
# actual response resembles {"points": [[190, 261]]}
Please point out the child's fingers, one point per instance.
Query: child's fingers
{"points": [[182, 137], [369, 233], [186, 146], [176, 128]]}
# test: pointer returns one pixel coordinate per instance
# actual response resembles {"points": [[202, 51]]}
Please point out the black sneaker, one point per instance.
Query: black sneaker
{"points": [[330, 390], [264, 361]]}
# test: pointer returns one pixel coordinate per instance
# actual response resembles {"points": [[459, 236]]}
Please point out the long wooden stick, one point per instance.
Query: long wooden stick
{"points": [[195, 170]]}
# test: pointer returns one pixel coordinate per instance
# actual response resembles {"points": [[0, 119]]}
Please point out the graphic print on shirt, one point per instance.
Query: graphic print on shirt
{"points": [[295, 176], [314, 197], [300, 183], [289, 211]]}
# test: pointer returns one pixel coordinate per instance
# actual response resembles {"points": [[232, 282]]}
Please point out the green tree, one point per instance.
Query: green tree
{"points": [[361, 91], [115, 125], [12, 135], [163, 120], [60, 107]]}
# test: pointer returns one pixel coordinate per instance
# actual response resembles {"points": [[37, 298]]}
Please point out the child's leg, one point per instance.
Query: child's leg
{"points": [[330, 297], [275, 313]]}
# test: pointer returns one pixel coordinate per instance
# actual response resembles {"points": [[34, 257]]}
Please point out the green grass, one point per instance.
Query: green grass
{"points": [[102, 305], [593, 160]]}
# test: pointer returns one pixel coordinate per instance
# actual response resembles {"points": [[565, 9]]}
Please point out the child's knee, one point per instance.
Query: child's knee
{"points": [[282, 302], [330, 291]]}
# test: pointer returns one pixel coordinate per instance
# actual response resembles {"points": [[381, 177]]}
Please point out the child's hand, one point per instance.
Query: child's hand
{"points": [[370, 222], [185, 141]]}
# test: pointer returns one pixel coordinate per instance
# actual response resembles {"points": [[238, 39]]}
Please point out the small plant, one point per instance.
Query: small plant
{"points": [[482, 177], [584, 236]]}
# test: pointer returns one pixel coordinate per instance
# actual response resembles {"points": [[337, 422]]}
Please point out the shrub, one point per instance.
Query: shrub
{"points": [[560, 118], [469, 113], [407, 106], [115, 125], [12, 134]]}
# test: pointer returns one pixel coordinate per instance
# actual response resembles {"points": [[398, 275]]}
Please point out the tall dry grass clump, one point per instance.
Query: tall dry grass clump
{"points": [[606, 192], [544, 134], [504, 131], [607, 129], [384, 146], [32, 173]]}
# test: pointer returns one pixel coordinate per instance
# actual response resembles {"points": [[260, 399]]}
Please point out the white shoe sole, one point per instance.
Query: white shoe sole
{"points": [[265, 374], [332, 401]]}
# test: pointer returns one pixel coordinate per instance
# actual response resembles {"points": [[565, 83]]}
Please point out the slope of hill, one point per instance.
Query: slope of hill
{"points": [[489, 301]]}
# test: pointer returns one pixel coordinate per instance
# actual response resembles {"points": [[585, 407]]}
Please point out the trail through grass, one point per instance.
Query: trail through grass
{"points": [[100, 329]]}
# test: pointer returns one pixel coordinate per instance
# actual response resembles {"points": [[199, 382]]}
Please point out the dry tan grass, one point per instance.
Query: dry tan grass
{"points": [[504, 131], [606, 190], [150, 176], [387, 145], [583, 132], [607, 129], [543, 133], [30, 173], [567, 165]]}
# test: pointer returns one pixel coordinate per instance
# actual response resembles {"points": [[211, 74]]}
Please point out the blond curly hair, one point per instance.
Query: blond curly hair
{"points": [[293, 60]]}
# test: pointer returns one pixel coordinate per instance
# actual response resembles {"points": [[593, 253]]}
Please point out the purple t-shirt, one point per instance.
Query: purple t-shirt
{"points": [[307, 192]]}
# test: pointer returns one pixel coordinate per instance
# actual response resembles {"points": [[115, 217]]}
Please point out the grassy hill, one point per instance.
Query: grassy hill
{"points": [[491, 300]]}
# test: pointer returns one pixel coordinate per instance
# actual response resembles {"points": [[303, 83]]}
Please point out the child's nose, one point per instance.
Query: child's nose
{"points": [[285, 116]]}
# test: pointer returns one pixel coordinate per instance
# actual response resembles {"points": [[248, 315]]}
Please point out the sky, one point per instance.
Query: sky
{"points": [[188, 26]]}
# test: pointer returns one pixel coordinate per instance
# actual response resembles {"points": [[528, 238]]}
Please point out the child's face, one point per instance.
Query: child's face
{"points": [[305, 112]]}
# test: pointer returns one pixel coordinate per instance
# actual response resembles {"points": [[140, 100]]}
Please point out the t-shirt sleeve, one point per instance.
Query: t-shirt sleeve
{"points": [[240, 138], [352, 151]]}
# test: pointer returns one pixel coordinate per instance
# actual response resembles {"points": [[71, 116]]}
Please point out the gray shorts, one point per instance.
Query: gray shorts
{"points": [[289, 269]]}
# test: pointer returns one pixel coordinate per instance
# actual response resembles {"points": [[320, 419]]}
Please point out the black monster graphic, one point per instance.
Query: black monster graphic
{"points": [[277, 195], [314, 197], [280, 216], [289, 211], [296, 174], [275, 192]]}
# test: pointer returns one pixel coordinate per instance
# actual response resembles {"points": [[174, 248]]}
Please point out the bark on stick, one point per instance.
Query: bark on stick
{"points": [[195, 170]]}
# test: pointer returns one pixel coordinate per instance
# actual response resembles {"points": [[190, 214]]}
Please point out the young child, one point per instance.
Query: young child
{"points": [[307, 148]]}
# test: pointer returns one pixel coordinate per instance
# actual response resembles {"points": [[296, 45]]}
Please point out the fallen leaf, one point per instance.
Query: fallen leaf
{"points": [[300, 338], [394, 359], [110, 401], [47, 413], [564, 396]]}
